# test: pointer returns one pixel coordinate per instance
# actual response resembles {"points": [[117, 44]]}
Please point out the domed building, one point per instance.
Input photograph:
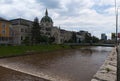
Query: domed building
{"points": [[48, 29], [22, 29], [46, 20]]}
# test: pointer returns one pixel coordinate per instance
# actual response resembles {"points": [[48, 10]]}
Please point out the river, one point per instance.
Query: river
{"points": [[66, 65]]}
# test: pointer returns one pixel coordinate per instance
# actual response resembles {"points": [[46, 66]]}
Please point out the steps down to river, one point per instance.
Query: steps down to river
{"points": [[108, 71]]}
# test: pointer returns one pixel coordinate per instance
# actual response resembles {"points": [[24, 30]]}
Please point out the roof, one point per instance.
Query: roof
{"points": [[21, 19], [46, 19], [2, 19]]}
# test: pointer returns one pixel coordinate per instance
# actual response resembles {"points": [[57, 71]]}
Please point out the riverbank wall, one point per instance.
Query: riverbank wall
{"points": [[108, 71]]}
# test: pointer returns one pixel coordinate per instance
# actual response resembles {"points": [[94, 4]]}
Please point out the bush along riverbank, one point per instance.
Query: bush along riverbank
{"points": [[7, 51]]}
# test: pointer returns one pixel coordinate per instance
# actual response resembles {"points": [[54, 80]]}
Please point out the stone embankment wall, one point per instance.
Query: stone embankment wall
{"points": [[108, 71]]}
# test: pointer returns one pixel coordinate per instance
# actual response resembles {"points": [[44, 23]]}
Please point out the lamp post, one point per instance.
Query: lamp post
{"points": [[118, 56], [116, 15], [116, 26]]}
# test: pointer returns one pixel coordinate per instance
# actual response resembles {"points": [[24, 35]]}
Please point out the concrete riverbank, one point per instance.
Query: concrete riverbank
{"points": [[7, 74], [108, 71]]}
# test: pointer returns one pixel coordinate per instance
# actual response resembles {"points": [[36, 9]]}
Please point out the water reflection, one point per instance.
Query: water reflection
{"points": [[66, 65]]}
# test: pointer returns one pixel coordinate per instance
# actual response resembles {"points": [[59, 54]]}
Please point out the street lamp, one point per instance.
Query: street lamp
{"points": [[116, 14], [118, 56], [116, 26]]}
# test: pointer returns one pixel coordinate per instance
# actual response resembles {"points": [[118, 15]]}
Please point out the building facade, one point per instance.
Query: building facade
{"points": [[103, 37], [15, 31], [22, 29], [65, 36], [81, 36], [6, 34], [48, 28]]}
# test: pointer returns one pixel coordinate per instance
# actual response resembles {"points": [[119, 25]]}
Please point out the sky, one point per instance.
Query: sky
{"points": [[94, 16]]}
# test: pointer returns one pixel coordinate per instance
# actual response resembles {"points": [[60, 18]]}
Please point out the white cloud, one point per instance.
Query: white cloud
{"points": [[96, 16]]}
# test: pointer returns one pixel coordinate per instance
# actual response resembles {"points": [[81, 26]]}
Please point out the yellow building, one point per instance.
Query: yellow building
{"points": [[5, 31]]}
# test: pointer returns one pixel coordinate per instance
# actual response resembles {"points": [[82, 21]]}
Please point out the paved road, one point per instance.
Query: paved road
{"points": [[11, 75]]}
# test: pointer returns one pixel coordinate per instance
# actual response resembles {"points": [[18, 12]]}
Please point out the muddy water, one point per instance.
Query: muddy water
{"points": [[67, 65]]}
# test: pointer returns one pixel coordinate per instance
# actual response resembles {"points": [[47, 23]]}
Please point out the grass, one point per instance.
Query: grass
{"points": [[6, 51], [107, 69]]}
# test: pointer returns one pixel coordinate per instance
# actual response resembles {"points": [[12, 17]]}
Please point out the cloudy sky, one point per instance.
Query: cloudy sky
{"points": [[95, 16]]}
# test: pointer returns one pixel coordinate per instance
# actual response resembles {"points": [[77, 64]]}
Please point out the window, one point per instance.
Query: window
{"points": [[48, 29], [0, 38], [41, 32], [22, 30], [11, 33], [3, 25], [21, 38], [3, 32], [10, 26], [47, 33], [26, 30]]}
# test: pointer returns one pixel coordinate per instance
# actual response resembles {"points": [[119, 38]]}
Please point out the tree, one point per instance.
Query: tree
{"points": [[73, 38], [43, 39], [88, 38], [35, 37], [26, 41], [51, 39], [95, 39]]}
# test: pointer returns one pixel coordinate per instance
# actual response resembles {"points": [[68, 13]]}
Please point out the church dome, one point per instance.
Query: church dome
{"points": [[46, 18]]}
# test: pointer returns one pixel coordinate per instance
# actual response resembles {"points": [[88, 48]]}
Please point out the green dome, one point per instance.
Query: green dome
{"points": [[46, 19]]}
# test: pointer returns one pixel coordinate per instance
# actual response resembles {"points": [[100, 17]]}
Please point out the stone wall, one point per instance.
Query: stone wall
{"points": [[108, 71]]}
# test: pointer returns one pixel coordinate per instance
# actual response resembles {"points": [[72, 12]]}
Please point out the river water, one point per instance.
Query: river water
{"points": [[67, 65]]}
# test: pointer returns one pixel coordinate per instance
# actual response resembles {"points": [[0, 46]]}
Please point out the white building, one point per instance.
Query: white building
{"points": [[48, 28], [81, 36], [22, 29]]}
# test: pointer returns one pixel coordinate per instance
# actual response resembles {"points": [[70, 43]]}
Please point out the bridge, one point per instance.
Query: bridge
{"points": [[90, 44]]}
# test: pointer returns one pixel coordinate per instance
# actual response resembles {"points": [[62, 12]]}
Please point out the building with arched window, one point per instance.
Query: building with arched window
{"points": [[18, 29]]}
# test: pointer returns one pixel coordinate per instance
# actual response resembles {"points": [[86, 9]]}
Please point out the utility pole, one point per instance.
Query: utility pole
{"points": [[118, 56], [116, 14]]}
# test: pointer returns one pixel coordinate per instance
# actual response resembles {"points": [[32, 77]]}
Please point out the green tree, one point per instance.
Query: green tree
{"points": [[43, 39], [88, 38], [51, 39], [35, 37], [26, 41], [95, 39], [74, 38]]}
